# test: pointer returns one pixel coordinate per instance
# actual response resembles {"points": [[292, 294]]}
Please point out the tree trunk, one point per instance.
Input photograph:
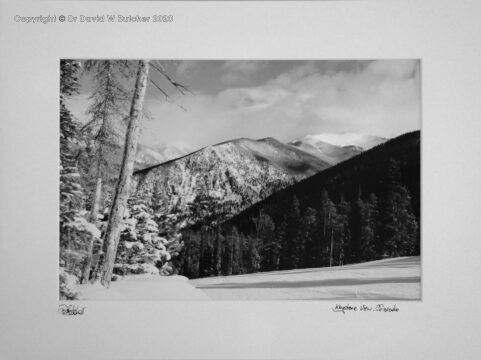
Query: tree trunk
{"points": [[119, 203], [94, 220], [324, 240], [217, 258], [332, 243], [231, 268], [201, 256], [341, 252]]}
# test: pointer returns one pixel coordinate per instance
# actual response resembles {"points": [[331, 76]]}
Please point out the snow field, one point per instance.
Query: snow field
{"points": [[143, 287], [389, 279]]}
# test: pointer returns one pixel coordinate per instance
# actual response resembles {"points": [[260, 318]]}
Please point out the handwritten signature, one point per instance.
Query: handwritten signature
{"points": [[70, 309], [365, 308]]}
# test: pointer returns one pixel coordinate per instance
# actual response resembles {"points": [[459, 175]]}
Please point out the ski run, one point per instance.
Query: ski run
{"points": [[389, 279]]}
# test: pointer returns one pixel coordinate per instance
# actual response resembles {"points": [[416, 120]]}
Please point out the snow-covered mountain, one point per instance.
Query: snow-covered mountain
{"points": [[148, 156], [331, 154], [219, 181], [335, 148], [349, 139]]}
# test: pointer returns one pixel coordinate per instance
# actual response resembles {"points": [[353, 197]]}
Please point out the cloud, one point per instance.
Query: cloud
{"points": [[239, 71], [397, 69], [379, 98], [251, 99], [185, 67]]}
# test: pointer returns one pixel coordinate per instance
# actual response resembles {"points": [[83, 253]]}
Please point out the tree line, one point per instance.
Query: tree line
{"points": [[337, 223]]}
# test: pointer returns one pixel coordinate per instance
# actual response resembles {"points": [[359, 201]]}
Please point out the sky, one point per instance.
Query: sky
{"points": [[281, 99]]}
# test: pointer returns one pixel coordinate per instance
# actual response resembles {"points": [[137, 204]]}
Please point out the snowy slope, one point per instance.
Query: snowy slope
{"points": [[366, 142], [219, 181], [390, 279], [289, 159], [329, 153], [335, 148], [142, 287], [147, 156]]}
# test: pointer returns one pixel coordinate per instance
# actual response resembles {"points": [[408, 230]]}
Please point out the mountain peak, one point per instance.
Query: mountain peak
{"points": [[364, 141], [225, 178], [150, 155], [335, 148]]}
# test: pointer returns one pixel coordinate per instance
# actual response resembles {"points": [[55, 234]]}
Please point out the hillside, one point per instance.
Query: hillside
{"points": [[217, 182], [363, 141], [367, 172], [336, 148], [331, 154], [365, 208], [149, 156]]}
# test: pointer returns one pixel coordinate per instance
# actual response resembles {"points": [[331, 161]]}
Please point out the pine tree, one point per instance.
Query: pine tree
{"points": [[141, 249], [237, 253], [400, 228], [75, 231], [188, 260], [71, 192], [205, 253], [269, 252], [106, 112], [281, 239], [119, 203], [309, 232], [370, 242], [333, 226], [219, 239], [297, 241], [253, 257], [343, 230], [327, 219], [231, 252], [291, 243], [357, 206]]}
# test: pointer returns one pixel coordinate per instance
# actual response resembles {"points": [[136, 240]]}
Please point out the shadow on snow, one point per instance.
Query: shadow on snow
{"points": [[313, 283]]}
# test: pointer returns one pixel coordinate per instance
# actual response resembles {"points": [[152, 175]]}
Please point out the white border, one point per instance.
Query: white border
{"points": [[445, 325]]}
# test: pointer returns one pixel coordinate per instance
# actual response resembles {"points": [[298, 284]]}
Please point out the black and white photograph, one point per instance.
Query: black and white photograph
{"points": [[258, 180], [240, 179]]}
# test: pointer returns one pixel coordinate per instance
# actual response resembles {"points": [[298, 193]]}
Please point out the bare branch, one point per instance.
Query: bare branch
{"points": [[181, 88], [160, 89], [88, 124], [167, 96]]}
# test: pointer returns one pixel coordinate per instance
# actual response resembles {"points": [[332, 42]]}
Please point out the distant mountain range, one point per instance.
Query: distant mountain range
{"points": [[331, 154], [335, 148], [363, 141], [330, 148]]}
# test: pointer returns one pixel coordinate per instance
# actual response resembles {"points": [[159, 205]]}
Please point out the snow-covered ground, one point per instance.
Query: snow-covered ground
{"points": [[139, 287], [389, 279]]}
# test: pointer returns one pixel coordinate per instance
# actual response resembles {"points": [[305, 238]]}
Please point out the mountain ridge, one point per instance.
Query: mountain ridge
{"points": [[336, 148], [330, 174], [219, 180], [365, 141]]}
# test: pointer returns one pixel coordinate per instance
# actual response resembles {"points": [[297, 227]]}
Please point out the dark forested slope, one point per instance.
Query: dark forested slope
{"points": [[365, 208], [361, 175]]}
